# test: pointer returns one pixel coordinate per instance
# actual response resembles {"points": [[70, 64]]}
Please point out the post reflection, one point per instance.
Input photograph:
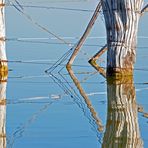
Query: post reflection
{"points": [[122, 128], [3, 84], [87, 100]]}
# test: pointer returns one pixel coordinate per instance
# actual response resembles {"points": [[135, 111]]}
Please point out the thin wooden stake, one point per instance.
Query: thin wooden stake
{"points": [[84, 36]]}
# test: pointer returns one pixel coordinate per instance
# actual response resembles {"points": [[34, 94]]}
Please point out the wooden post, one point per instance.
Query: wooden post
{"points": [[3, 84], [3, 58], [121, 19], [122, 129]]}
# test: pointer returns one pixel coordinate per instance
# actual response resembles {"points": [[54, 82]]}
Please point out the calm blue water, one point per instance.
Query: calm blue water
{"points": [[45, 111]]}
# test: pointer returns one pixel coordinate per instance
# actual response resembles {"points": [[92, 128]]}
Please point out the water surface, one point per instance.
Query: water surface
{"points": [[49, 110]]}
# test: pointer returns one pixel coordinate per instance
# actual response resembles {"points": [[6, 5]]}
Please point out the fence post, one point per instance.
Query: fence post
{"points": [[121, 19], [3, 58]]}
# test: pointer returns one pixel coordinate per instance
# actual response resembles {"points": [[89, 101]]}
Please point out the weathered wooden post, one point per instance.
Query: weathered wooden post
{"points": [[122, 128], [3, 84], [3, 58], [121, 19]]}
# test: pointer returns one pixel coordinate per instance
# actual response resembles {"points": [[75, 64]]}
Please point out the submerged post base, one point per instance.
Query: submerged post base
{"points": [[119, 72], [101, 70], [2, 135], [94, 64], [120, 80], [68, 66], [3, 73], [119, 75], [2, 102], [3, 69]]}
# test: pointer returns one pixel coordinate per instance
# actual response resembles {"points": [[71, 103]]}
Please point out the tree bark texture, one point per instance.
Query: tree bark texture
{"points": [[3, 58], [121, 19], [122, 129]]}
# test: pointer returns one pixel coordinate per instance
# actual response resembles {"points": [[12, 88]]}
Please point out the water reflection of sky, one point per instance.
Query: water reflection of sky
{"points": [[39, 112]]}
